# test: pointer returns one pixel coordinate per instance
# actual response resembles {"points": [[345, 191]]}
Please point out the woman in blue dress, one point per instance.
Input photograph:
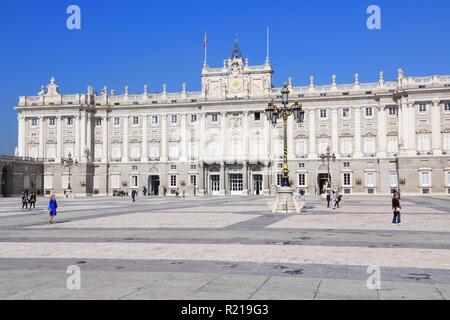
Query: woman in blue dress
{"points": [[52, 206]]}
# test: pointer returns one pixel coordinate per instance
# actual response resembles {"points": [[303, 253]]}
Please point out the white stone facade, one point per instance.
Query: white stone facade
{"points": [[219, 142]]}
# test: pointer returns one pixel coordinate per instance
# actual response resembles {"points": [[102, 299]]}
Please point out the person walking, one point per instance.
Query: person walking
{"points": [[133, 195], [145, 191], [24, 200], [338, 199], [33, 201], [328, 198], [52, 206], [396, 207], [334, 200]]}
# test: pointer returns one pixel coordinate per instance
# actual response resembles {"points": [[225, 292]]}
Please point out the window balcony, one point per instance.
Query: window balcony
{"points": [[424, 153], [115, 159], [154, 159], [135, 159]]}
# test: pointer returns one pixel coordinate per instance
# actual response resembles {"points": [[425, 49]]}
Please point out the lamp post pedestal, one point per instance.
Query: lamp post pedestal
{"points": [[286, 203]]}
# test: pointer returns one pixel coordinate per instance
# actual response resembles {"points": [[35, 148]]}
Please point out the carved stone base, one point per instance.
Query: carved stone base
{"points": [[286, 202]]}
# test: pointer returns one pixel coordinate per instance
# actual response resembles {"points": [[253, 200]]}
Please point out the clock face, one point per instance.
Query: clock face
{"points": [[236, 85]]}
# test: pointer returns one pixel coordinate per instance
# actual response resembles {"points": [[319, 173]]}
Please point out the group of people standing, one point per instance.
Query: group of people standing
{"points": [[28, 200], [334, 198]]}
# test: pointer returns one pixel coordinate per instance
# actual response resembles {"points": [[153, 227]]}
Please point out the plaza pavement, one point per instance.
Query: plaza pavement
{"points": [[225, 248]]}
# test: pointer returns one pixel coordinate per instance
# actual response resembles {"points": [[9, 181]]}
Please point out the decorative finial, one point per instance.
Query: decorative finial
{"points": [[164, 88], [104, 91], [145, 89], [126, 90], [52, 80], [184, 87], [42, 92], [357, 83], [333, 77], [311, 82], [236, 53], [401, 74], [290, 82], [381, 77], [246, 62], [113, 92]]}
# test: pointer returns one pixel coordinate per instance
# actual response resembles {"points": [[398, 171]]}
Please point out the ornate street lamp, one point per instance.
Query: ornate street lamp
{"points": [[69, 163], [274, 113], [328, 157]]}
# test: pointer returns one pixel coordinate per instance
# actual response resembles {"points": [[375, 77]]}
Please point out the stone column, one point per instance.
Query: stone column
{"points": [[404, 123], [105, 143], [184, 139], [77, 152], [89, 139], [41, 138], [436, 128], [202, 147], [223, 186], [412, 141], [126, 121], [358, 153], [223, 124], [312, 134], [334, 131], [144, 156], [246, 135], [245, 176], [21, 136], [164, 138], [59, 138], [382, 132], [83, 137], [266, 150]]}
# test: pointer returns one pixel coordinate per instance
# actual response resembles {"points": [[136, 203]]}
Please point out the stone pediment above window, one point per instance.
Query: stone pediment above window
{"points": [[369, 135], [155, 141], [214, 169], [175, 139], [116, 141], [423, 132], [324, 136], [95, 142], [392, 134], [346, 135], [51, 142], [447, 130], [32, 143], [194, 139], [301, 137], [135, 141]]}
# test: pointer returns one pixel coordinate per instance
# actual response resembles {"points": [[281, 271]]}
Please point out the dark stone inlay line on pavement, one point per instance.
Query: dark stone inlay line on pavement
{"points": [[306, 271]]}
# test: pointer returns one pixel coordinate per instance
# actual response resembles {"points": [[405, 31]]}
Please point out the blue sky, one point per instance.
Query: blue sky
{"points": [[154, 42]]}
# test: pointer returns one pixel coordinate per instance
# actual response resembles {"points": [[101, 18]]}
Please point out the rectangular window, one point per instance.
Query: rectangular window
{"points": [[237, 182], [173, 181], [135, 121], [34, 122], [98, 122], [393, 181], [70, 121], [346, 164], [96, 182], [323, 114], [173, 167], [302, 180], [279, 179], [447, 107], [52, 121], [423, 108], [347, 180], [301, 165], [392, 111], [257, 116], [369, 112], [370, 180], [193, 118], [214, 118], [345, 113], [425, 179], [193, 180], [134, 181], [448, 179], [117, 121], [173, 119], [155, 120], [115, 182]]}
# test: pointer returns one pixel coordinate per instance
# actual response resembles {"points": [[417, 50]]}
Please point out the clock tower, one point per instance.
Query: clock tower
{"points": [[236, 79]]}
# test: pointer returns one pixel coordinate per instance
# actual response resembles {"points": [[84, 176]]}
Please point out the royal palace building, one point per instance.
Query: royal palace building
{"points": [[385, 135]]}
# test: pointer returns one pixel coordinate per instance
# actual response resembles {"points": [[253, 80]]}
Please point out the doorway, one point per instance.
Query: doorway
{"points": [[322, 180], [236, 184], [257, 184], [3, 183], [215, 184], [153, 185]]}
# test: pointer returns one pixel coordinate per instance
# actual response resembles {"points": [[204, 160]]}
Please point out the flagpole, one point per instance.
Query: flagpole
{"points": [[205, 44]]}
